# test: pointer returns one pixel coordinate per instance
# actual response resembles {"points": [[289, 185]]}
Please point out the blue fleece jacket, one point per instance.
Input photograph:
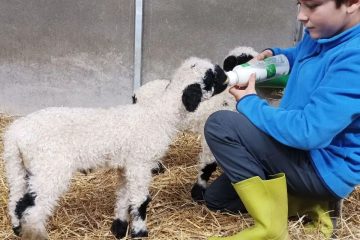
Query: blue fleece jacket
{"points": [[320, 108]]}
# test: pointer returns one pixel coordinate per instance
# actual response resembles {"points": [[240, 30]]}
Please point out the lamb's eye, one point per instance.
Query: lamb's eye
{"points": [[194, 65]]}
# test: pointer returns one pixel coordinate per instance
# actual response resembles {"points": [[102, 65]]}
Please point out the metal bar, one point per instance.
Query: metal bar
{"points": [[138, 43], [299, 29]]}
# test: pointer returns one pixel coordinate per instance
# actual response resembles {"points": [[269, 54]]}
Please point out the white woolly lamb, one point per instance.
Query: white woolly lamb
{"points": [[195, 121], [224, 101], [150, 91], [44, 149]]}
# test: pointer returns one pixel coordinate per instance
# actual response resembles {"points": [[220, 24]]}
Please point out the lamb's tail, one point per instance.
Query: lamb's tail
{"points": [[17, 180]]}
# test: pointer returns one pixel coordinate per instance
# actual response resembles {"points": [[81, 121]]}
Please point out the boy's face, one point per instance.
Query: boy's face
{"points": [[322, 18]]}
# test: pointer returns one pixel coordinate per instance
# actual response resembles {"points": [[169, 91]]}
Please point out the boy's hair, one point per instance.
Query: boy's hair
{"points": [[339, 2]]}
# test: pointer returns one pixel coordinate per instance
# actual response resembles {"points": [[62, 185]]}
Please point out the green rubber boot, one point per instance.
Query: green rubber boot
{"points": [[266, 201], [323, 214]]}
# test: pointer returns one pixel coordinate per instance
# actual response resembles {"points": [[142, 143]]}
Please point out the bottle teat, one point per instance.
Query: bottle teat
{"points": [[232, 78]]}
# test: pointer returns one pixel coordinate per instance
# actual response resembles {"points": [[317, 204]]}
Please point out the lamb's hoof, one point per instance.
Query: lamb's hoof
{"points": [[140, 234], [197, 193], [119, 228], [159, 169], [17, 230]]}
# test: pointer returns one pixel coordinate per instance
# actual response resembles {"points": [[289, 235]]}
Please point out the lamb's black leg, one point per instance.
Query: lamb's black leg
{"points": [[28, 200], [119, 228], [139, 215], [158, 169], [198, 190]]}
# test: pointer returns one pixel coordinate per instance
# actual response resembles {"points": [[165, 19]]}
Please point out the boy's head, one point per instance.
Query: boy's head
{"points": [[327, 18]]}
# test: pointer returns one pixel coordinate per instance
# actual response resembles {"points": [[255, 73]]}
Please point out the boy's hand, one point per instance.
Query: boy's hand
{"points": [[240, 91], [263, 55]]}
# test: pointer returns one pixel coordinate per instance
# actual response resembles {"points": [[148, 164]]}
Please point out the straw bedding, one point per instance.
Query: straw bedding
{"points": [[86, 211]]}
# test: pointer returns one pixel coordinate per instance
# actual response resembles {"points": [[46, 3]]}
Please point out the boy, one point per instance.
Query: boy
{"points": [[312, 138]]}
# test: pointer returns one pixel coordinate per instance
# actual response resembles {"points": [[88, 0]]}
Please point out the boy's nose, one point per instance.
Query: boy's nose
{"points": [[302, 17]]}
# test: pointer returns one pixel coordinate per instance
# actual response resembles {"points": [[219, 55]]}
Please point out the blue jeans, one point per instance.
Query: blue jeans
{"points": [[244, 151]]}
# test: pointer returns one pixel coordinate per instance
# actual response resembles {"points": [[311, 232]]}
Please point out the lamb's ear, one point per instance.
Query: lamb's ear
{"points": [[219, 80], [209, 79], [134, 99], [191, 97], [231, 61]]}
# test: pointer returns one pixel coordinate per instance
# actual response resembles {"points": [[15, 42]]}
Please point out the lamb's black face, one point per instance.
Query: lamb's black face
{"points": [[219, 81], [231, 61], [212, 83]]}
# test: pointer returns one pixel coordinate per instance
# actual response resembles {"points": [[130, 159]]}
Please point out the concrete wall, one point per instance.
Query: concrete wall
{"points": [[65, 53], [177, 29], [80, 52]]}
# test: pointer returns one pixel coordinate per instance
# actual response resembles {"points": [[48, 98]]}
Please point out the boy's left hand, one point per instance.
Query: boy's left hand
{"points": [[240, 91]]}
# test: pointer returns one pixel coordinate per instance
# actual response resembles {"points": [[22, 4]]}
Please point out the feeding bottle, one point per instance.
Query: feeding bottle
{"points": [[270, 72]]}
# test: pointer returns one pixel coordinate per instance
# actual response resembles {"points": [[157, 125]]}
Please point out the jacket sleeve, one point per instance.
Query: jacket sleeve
{"points": [[331, 108], [292, 52]]}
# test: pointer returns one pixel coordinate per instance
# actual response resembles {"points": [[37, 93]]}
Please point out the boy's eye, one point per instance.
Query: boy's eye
{"points": [[312, 6], [308, 5]]}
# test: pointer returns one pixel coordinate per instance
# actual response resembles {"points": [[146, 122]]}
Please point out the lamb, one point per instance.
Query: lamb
{"points": [[195, 121], [150, 91], [44, 149], [223, 101]]}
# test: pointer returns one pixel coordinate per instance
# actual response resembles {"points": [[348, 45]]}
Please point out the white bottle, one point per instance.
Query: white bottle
{"points": [[266, 69]]}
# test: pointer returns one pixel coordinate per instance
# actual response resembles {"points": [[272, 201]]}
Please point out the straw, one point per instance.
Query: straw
{"points": [[86, 210]]}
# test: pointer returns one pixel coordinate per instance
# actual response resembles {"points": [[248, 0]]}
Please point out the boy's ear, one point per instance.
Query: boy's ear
{"points": [[353, 6]]}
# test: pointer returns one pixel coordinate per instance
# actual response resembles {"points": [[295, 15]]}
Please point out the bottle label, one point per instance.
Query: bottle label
{"points": [[270, 70]]}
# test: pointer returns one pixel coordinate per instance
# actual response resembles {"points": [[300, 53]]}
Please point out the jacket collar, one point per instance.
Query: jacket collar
{"points": [[341, 37]]}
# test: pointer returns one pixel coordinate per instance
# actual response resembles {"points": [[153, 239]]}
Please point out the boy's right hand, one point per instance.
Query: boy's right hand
{"points": [[241, 90], [265, 54]]}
